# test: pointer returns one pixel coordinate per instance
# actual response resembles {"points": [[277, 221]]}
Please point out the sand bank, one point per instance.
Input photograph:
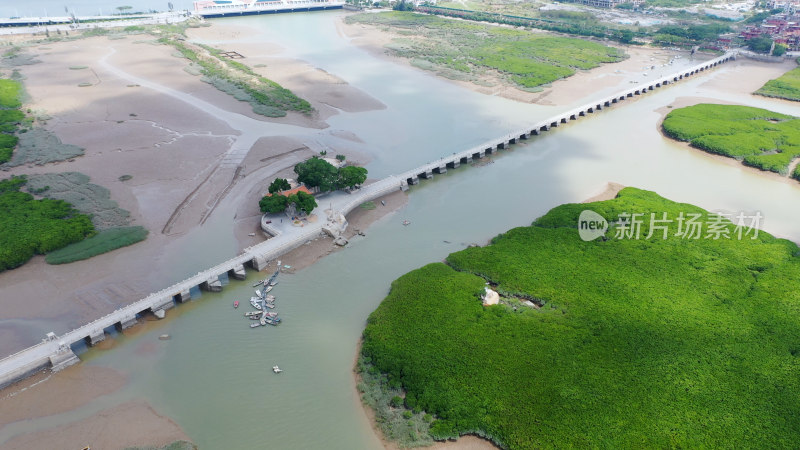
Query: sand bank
{"points": [[43, 395], [126, 425]]}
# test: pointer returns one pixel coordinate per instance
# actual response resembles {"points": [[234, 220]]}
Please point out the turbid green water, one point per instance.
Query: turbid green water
{"points": [[214, 379]]}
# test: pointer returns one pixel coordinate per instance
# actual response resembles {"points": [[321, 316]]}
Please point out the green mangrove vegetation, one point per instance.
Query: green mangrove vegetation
{"points": [[267, 97], [759, 138], [33, 226], [787, 86], [10, 117], [102, 242], [666, 342], [464, 50]]}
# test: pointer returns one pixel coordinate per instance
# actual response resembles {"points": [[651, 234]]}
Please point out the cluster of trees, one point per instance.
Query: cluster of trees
{"points": [[763, 44], [31, 226], [403, 5], [277, 203], [656, 323], [690, 34], [316, 172], [10, 117]]}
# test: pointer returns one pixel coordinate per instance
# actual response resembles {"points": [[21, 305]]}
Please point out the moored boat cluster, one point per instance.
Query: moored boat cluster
{"points": [[263, 302]]}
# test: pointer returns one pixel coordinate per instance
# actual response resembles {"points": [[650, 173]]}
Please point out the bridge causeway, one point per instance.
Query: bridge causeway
{"points": [[55, 351]]}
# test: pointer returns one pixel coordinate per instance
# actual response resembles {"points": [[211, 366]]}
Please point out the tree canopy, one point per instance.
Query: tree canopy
{"points": [[303, 202], [279, 184], [33, 226], [352, 176], [273, 203], [760, 44], [316, 172], [665, 342]]}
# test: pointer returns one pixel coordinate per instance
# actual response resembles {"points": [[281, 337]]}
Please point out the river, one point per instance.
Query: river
{"points": [[213, 377]]}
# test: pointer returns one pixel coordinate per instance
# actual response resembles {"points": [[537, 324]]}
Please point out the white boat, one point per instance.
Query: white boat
{"points": [[276, 369], [258, 293], [224, 8], [256, 302], [267, 289], [253, 325]]}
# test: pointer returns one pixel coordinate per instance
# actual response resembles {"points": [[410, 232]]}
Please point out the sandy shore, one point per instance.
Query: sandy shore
{"points": [[45, 395], [127, 425], [610, 192]]}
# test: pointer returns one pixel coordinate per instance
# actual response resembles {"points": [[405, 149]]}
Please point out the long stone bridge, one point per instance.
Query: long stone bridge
{"points": [[55, 352]]}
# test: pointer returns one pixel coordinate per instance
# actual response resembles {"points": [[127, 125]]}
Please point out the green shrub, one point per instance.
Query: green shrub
{"points": [[33, 226], [787, 86], [639, 333], [103, 242], [759, 138]]}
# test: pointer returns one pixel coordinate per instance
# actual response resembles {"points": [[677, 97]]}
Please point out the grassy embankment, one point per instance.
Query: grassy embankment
{"points": [[465, 51], [787, 86], [759, 138], [680, 343], [267, 97]]}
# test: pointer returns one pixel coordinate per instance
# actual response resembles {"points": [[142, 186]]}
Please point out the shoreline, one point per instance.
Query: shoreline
{"points": [[464, 442]]}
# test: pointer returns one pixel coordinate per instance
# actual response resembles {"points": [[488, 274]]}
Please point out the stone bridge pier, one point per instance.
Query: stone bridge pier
{"points": [[127, 322], [63, 358], [95, 337], [212, 284], [238, 272], [160, 308]]}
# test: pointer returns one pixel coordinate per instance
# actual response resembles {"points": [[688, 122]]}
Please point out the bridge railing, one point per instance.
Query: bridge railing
{"points": [[269, 250]]}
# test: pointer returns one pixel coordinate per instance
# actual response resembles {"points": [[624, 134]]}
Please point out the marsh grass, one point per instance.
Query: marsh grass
{"points": [[463, 50], [103, 242]]}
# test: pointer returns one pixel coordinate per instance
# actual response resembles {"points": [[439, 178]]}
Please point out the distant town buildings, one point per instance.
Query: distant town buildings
{"points": [[781, 28]]}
